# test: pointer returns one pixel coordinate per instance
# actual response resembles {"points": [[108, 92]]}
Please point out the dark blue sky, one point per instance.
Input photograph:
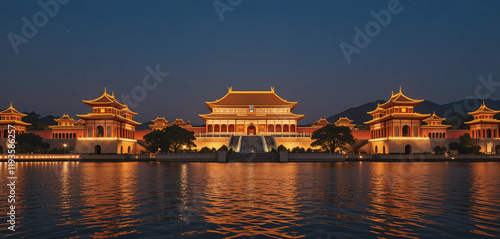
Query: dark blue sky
{"points": [[434, 49]]}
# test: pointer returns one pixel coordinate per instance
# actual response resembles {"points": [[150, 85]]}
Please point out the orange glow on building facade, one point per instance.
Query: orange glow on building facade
{"points": [[395, 127], [251, 113]]}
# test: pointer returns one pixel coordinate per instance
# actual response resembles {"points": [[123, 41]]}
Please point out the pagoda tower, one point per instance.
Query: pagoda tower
{"points": [[109, 128], [484, 125], [11, 116], [396, 127]]}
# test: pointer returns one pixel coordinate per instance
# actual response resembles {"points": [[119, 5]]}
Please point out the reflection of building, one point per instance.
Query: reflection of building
{"points": [[109, 128], [11, 117], [251, 113]]}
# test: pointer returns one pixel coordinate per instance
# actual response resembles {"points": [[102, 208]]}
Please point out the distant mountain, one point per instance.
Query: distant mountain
{"points": [[455, 112], [144, 126]]}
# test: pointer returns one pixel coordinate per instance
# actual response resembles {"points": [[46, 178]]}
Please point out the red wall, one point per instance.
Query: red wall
{"points": [[361, 134], [454, 134], [45, 134], [306, 129]]}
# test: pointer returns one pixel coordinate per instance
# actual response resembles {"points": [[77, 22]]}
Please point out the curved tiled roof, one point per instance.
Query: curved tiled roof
{"points": [[251, 98]]}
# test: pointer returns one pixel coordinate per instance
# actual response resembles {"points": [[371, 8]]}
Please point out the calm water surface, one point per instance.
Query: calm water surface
{"points": [[255, 200]]}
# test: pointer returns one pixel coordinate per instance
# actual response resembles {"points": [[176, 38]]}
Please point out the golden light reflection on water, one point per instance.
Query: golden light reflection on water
{"points": [[109, 198], [247, 202]]}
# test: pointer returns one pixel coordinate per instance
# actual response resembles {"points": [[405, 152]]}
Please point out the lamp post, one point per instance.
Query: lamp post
{"points": [[184, 147], [65, 145]]}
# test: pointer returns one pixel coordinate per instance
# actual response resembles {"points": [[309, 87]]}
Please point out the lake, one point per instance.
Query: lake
{"points": [[255, 200]]}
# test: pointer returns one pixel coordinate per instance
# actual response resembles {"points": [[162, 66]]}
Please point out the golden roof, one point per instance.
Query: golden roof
{"points": [[484, 110], [251, 98], [127, 110], [93, 116], [344, 119], [251, 116], [65, 117], [434, 117], [12, 111], [377, 110], [483, 121], [160, 119], [179, 122], [398, 116], [400, 99], [105, 100]]}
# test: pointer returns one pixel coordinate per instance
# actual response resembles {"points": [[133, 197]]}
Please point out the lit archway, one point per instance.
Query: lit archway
{"points": [[128, 150], [210, 128], [97, 149], [278, 128], [408, 149], [292, 128], [100, 131], [270, 128], [231, 128], [497, 149], [285, 128], [223, 128], [216, 128], [251, 130], [406, 130]]}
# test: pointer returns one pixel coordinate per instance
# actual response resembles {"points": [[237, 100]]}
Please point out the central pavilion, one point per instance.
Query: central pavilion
{"points": [[251, 113]]}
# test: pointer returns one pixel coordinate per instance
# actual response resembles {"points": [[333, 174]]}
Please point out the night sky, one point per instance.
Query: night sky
{"points": [[434, 49]]}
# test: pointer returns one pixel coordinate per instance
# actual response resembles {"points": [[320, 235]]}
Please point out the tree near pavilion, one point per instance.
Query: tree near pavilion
{"points": [[172, 138], [332, 137], [466, 145], [31, 143]]}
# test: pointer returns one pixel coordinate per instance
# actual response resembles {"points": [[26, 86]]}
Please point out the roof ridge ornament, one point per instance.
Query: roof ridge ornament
{"points": [[400, 91], [105, 90], [272, 89], [230, 89]]}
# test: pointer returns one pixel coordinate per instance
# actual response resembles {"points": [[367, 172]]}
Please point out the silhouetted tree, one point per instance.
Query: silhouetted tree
{"points": [[331, 137], [27, 143]]}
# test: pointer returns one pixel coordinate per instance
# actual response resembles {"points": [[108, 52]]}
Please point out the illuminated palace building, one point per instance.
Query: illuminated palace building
{"points": [[264, 117]]}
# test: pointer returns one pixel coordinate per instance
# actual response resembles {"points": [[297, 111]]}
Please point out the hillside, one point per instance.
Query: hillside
{"points": [[455, 112]]}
